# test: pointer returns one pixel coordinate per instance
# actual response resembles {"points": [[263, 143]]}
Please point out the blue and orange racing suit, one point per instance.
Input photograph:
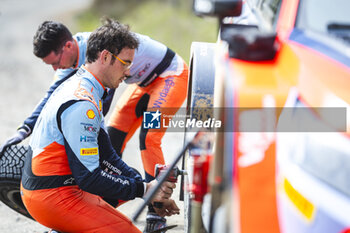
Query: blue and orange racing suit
{"points": [[71, 166]]}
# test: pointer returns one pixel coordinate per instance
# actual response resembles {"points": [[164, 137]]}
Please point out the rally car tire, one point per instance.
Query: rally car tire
{"points": [[11, 165], [199, 105]]}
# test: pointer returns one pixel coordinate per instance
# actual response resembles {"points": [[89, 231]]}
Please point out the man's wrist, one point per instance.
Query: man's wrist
{"points": [[140, 189], [25, 128]]}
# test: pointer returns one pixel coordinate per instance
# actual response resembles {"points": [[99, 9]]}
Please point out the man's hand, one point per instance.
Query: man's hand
{"points": [[20, 135], [163, 195], [169, 208], [165, 191]]}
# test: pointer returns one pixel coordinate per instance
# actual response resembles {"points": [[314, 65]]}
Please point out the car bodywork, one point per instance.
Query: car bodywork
{"points": [[275, 57]]}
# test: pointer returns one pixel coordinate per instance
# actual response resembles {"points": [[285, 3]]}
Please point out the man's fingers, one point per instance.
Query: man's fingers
{"points": [[4, 147], [166, 196], [174, 207], [175, 212], [17, 138], [171, 208], [169, 184], [166, 190]]}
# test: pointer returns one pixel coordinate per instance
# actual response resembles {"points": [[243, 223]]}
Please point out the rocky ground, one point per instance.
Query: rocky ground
{"points": [[24, 80]]}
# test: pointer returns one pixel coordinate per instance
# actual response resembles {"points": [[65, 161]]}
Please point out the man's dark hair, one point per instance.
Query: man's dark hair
{"points": [[50, 36], [112, 36]]}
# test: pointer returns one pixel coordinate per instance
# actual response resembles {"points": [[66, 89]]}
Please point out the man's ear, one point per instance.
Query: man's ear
{"points": [[104, 56], [69, 44]]}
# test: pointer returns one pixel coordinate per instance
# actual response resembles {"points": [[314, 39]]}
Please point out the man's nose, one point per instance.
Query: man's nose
{"points": [[127, 72]]}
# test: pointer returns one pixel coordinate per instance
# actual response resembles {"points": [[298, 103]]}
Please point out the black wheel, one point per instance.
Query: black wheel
{"points": [[200, 98], [11, 165]]}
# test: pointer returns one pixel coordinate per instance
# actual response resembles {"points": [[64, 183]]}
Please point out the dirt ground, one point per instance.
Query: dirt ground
{"points": [[24, 80]]}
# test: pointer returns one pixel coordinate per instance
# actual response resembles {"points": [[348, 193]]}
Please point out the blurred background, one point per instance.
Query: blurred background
{"points": [[168, 21], [24, 78]]}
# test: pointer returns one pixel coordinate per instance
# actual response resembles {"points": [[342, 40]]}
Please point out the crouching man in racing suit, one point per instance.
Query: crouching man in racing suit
{"points": [[71, 165]]}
